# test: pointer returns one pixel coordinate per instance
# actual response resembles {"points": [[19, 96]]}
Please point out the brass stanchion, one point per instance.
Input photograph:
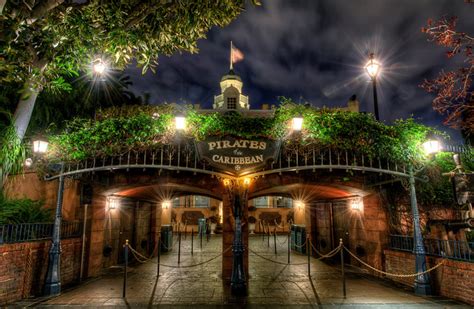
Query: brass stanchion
{"points": [[158, 257], [125, 252], [342, 269], [275, 240], [268, 236], [308, 252], [192, 241], [289, 246], [200, 236], [179, 247]]}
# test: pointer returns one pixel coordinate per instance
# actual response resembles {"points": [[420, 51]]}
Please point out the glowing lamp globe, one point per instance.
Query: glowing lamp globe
{"points": [[166, 205], [28, 162], [180, 122], [40, 146], [297, 123], [357, 204], [372, 67], [113, 202], [431, 146], [299, 204], [99, 67]]}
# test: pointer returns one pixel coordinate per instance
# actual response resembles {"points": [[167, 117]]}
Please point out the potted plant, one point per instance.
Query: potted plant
{"points": [[214, 220], [252, 220]]}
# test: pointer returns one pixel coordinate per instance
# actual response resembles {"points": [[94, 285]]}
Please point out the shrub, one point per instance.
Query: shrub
{"points": [[14, 211]]}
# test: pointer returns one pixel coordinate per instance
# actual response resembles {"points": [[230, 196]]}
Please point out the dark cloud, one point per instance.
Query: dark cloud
{"points": [[315, 50]]}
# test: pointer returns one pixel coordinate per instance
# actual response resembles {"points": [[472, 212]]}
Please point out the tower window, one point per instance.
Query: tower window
{"points": [[231, 103]]}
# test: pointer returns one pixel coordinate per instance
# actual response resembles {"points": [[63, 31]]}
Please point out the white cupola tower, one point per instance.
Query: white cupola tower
{"points": [[231, 97]]}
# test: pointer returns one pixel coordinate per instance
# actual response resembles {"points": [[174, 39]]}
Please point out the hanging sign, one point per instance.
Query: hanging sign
{"points": [[237, 155]]}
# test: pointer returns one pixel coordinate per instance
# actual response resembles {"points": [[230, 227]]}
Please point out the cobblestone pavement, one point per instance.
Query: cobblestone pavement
{"points": [[270, 284]]}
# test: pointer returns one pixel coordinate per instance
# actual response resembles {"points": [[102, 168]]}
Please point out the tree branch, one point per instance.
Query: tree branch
{"points": [[42, 9]]}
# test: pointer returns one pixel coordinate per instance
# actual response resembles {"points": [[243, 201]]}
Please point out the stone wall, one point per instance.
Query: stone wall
{"points": [[29, 185], [23, 267], [453, 279], [364, 231]]}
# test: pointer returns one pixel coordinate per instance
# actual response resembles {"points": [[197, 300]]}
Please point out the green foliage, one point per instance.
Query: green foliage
{"points": [[438, 190], [13, 211], [111, 135], [117, 130], [12, 149], [42, 42]]}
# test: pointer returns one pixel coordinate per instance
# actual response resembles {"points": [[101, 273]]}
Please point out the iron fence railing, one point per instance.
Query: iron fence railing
{"points": [[14, 233], [451, 249]]}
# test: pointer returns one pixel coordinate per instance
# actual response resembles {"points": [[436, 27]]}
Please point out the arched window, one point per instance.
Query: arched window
{"points": [[231, 103]]}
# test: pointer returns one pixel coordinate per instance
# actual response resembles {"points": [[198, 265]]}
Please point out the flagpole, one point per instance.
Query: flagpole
{"points": [[231, 67]]}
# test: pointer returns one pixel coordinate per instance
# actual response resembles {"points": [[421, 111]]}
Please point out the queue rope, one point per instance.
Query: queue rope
{"points": [[392, 274], [282, 226], [139, 258], [327, 255], [283, 242], [274, 261], [304, 244]]}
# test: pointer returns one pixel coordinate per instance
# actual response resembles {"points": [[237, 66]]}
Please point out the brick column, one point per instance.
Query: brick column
{"points": [[155, 226], [96, 235]]}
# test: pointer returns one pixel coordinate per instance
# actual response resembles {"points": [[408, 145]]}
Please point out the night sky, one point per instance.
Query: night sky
{"points": [[314, 51]]}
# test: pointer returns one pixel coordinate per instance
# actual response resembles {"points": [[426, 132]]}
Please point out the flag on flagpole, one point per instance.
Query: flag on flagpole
{"points": [[235, 55]]}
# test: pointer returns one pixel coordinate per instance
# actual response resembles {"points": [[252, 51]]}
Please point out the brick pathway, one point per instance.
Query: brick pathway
{"points": [[269, 284]]}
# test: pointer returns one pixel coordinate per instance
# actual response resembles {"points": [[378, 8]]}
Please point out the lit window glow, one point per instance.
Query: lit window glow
{"points": [[297, 123], [40, 146]]}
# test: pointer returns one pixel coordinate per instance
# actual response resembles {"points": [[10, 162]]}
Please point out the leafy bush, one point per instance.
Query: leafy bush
{"points": [[12, 150], [13, 211], [119, 130]]}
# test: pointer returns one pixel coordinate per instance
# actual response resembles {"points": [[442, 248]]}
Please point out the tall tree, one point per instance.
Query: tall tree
{"points": [[453, 89], [42, 41]]}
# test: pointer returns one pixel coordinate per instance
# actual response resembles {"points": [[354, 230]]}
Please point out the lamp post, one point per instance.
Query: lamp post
{"points": [[373, 68], [422, 281], [239, 190], [53, 282]]}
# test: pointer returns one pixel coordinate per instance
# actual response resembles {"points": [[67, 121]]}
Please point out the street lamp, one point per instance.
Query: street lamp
{"points": [[297, 123], [238, 189], [53, 282], [373, 68], [422, 281], [40, 146], [432, 144], [180, 122]]}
